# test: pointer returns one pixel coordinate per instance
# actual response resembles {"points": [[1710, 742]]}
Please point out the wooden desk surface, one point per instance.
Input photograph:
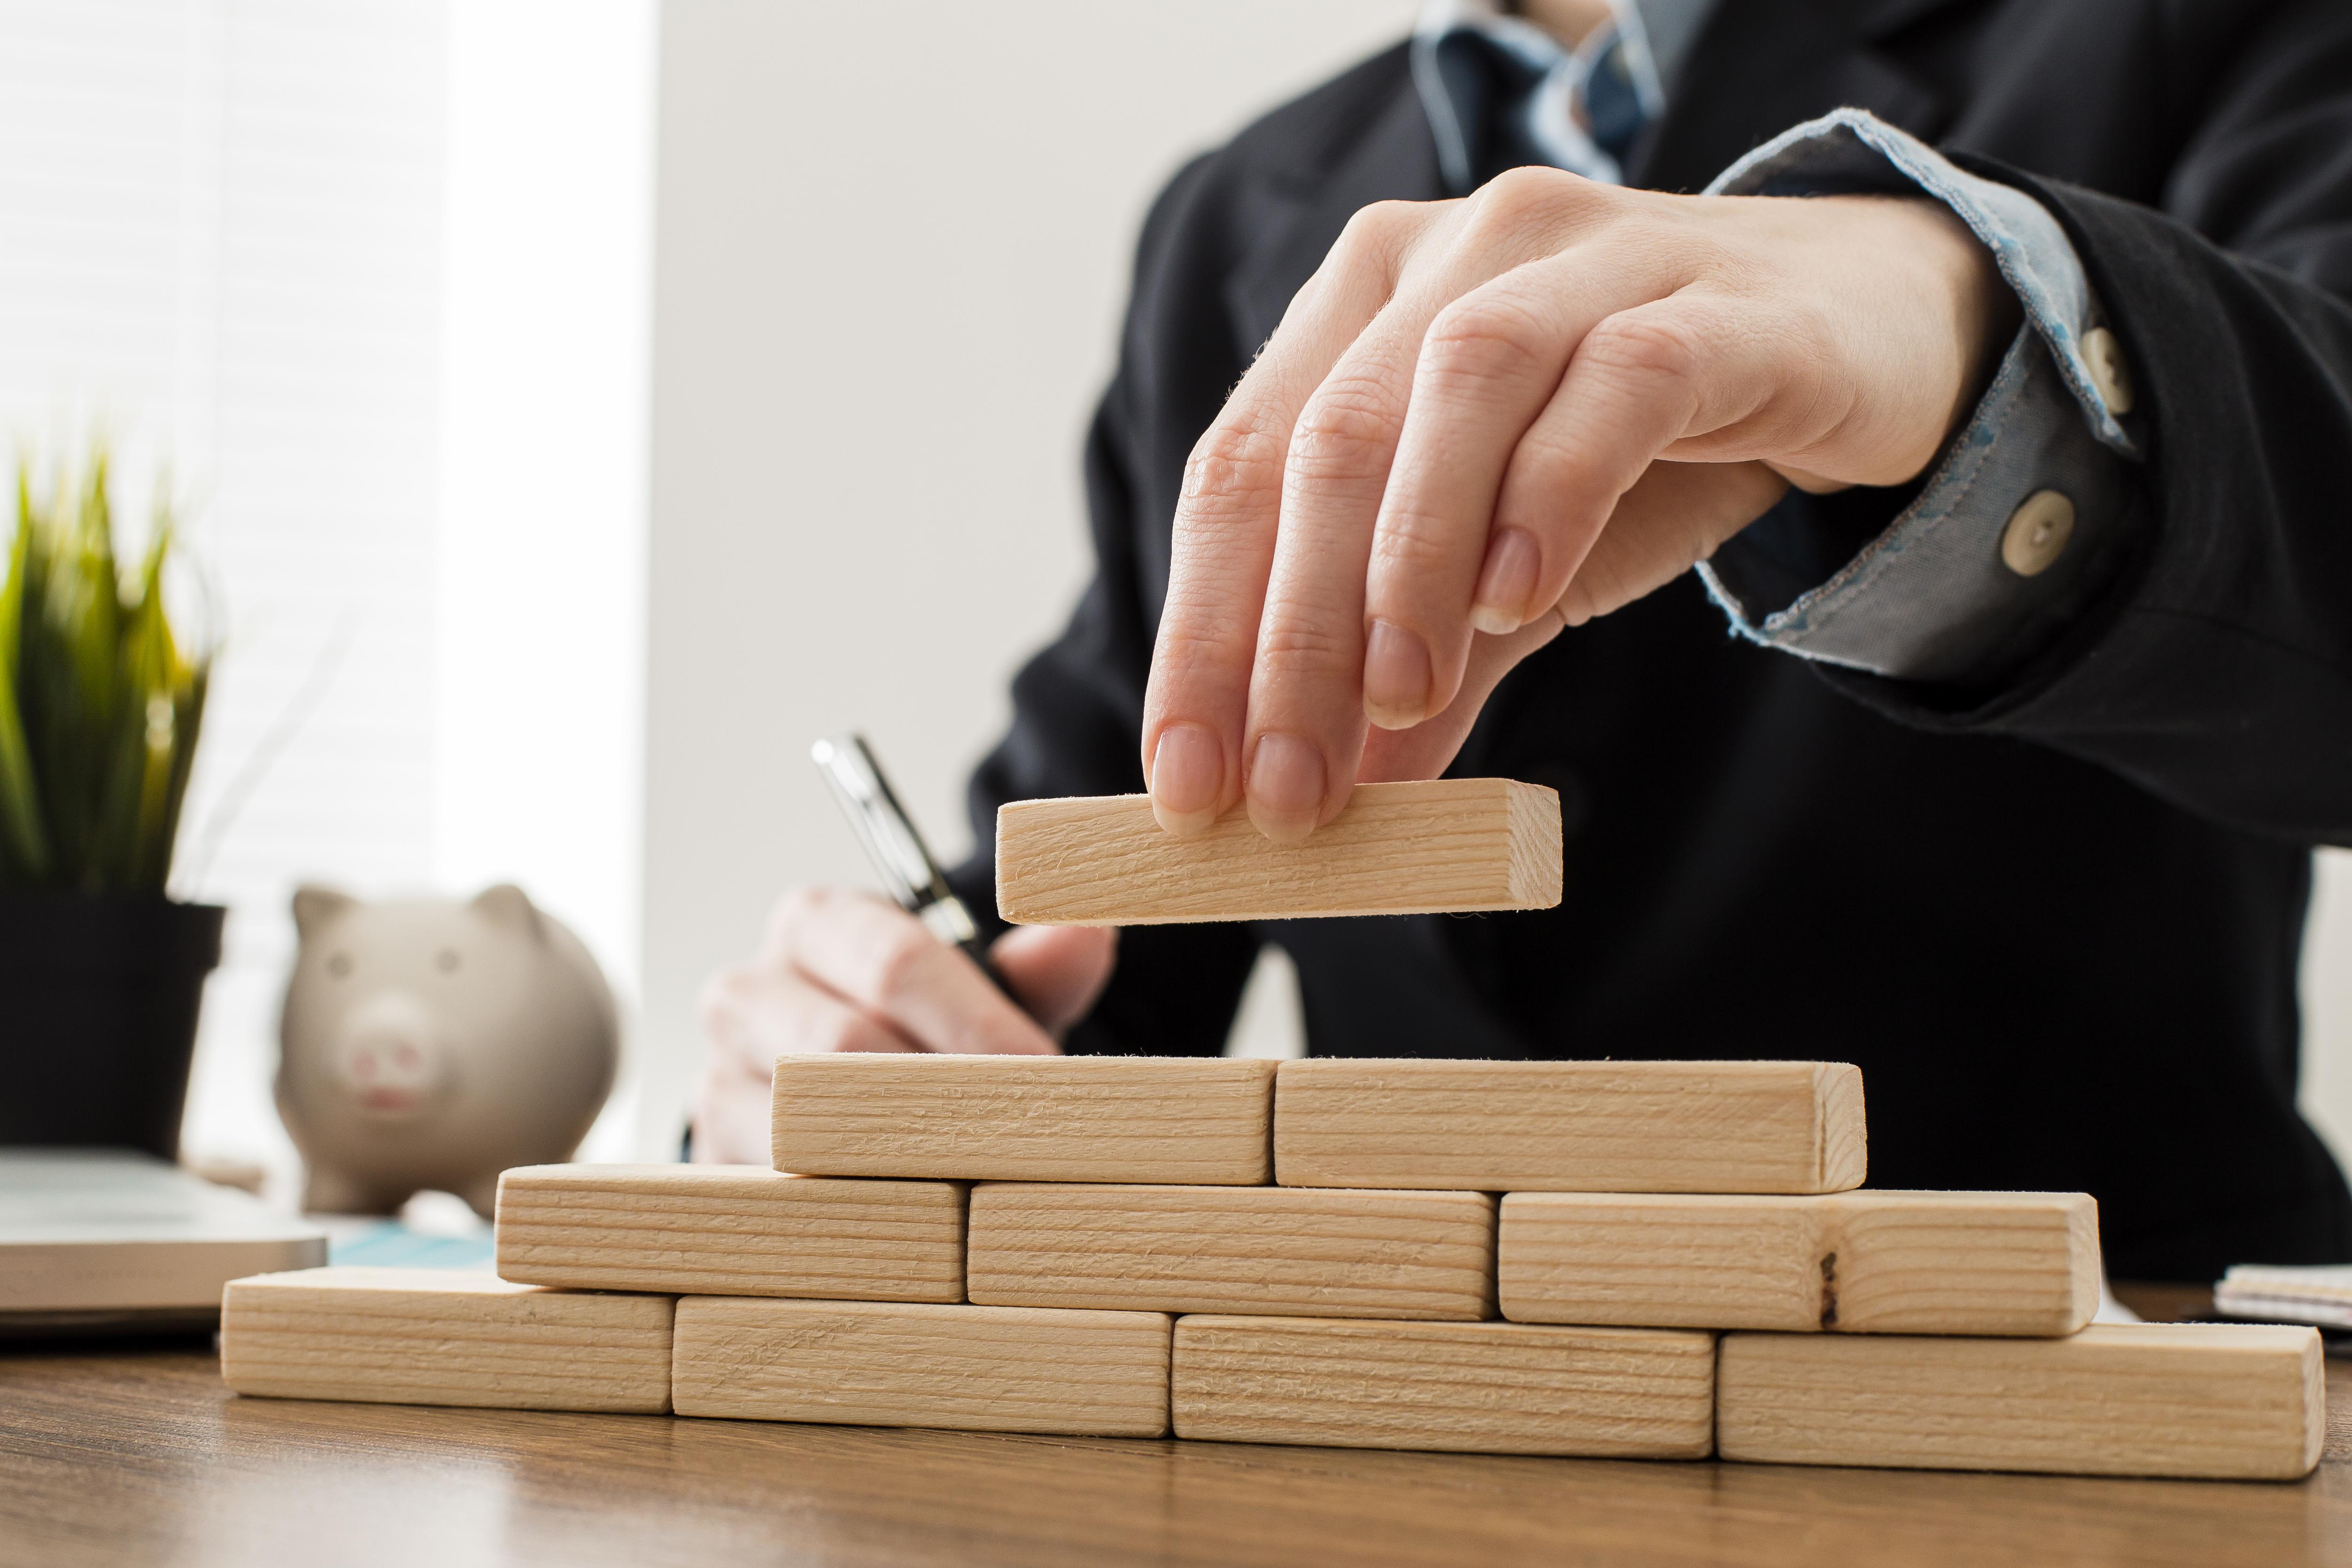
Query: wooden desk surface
{"points": [[140, 1455]]}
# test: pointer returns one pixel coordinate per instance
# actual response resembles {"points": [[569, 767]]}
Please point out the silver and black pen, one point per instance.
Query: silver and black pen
{"points": [[897, 849]]}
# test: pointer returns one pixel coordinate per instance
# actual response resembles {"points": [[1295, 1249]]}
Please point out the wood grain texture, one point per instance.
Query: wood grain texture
{"points": [[1496, 1388], [1200, 1120], [2216, 1401], [978, 1369], [1436, 846], [1572, 1127], [129, 1456], [731, 1230], [1309, 1252], [443, 1336], [1855, 1262]]}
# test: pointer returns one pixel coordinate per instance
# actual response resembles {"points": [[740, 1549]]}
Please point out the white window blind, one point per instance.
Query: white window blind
{"points": [[231, 241]]}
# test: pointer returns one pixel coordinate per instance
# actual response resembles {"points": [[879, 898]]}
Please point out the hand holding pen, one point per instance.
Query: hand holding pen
{"points": [[895, 846], [841, 969]]}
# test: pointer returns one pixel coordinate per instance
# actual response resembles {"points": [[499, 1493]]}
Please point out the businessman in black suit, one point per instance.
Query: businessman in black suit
{"points": [[2008, 415]]}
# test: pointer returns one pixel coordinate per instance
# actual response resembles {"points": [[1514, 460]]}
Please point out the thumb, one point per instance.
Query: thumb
{"points": [[1426, 749], [1674, 515], [1674, 518], [1057, 971]]}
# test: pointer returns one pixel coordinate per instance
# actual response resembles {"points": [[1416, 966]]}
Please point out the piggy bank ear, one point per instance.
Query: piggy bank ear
{"points": [[507, 904], [315, 905]]}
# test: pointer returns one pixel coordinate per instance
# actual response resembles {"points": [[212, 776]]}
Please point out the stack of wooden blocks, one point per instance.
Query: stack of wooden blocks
{"points": [[1655, 1260]]}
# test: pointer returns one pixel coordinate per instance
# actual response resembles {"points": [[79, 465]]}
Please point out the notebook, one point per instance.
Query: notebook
{"points": [[2311, 1293]]}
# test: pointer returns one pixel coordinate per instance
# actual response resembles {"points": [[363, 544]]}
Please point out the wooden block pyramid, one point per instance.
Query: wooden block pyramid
{"points": [[1659, 1261], [1644, 1260]]}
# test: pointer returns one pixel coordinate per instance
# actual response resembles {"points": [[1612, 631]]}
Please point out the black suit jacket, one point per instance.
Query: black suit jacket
{"points": [[2056, 924]]}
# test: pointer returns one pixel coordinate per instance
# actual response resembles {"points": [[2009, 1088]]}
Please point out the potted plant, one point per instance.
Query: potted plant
{"points": [[101, 705]]}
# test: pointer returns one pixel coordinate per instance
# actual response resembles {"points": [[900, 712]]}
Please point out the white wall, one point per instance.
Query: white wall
{"points": [[2327, 1004], [893, 242], [546, 346]]}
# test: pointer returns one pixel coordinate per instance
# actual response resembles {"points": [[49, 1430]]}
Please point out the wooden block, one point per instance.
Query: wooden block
{"points": [[1858, 1262], [731, 1230], [443, 1336], [1261, 1249], [1571, 1126], [2216, 1401], [1440, 846], [1024, 1118], [871, 1363], [1492, 1388]]}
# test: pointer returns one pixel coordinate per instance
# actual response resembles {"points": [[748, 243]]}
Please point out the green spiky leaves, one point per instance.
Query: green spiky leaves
{"points": [[99, 706]]}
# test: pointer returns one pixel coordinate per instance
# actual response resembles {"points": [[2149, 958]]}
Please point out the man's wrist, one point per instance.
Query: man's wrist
{"points": [[2014, 527], [1986, 313]]}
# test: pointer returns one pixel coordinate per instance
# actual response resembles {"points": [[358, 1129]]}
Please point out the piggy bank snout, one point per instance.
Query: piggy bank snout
{"points": [[390, 1056]]}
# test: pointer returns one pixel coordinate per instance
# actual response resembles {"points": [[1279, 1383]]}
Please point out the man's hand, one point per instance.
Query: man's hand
{"points": [[1485, 420], [840, 971]]}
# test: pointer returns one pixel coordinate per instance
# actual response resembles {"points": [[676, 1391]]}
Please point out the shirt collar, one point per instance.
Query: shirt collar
{"points": [[1656, 35]]}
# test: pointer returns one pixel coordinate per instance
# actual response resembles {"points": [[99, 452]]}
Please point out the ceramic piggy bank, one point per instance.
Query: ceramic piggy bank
{"points": [[433, 1043]]}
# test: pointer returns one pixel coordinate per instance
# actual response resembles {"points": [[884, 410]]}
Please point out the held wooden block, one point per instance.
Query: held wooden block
{"points": [[978, 1369], [1439, 846], [2213, 1401], [731, 1230], [1024, 1118], [1493, 1389], [1857, 1262], [1571, 1126], [1260, 1249], [443, 1336]]}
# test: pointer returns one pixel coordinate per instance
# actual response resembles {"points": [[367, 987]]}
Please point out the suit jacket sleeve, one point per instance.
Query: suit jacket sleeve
{"points": [[2215, 670], [1077, 705]]}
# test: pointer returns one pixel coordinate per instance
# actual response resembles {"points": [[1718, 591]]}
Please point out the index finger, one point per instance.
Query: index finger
{"points": [[1226, 520]]}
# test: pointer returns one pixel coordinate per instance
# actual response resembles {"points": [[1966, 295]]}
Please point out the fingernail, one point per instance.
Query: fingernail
{"points": [[1396, 676], [1284, 787], [1507, 583], [1188, 773]]}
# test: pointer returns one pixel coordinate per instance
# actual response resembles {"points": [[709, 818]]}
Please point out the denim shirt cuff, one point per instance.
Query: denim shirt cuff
{"points": [[1944, 593]]}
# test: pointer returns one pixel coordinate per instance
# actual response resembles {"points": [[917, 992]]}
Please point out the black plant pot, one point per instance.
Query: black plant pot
{"points": [[98, 1017]]}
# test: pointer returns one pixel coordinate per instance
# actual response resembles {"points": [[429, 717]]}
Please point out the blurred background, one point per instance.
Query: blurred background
{"points": [[581, 405]]}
